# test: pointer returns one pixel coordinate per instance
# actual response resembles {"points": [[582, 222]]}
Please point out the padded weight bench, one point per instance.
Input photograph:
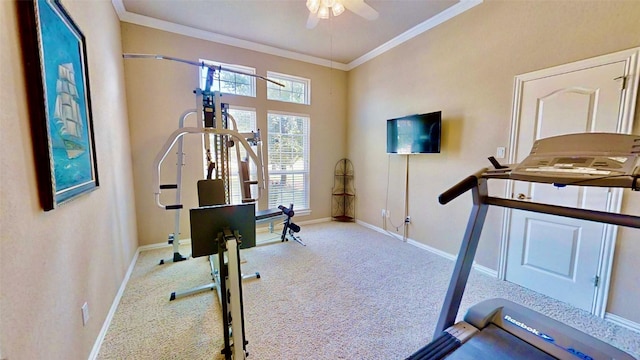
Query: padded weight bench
{"points": [[211, 192], [269, 216], [289, 229]]}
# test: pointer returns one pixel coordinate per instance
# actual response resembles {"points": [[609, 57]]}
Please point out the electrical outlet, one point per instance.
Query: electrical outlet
{"points": [[384, 212], [407, 219], [85, 314], [500, 152]]}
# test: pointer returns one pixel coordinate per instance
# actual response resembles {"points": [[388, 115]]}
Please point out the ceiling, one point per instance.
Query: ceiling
{"points": [[278, 27]]}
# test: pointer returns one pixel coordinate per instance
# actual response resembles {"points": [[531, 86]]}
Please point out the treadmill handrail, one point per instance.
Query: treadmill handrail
{"points": [[461, 187], [576, 213], [469, 244]]}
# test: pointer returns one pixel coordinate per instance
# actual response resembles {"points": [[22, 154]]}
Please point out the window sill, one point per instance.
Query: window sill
{"points": [[303, 212]]}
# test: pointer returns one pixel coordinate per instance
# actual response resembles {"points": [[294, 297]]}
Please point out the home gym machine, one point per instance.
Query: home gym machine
{"points": [[210, 193], [212, 119], [500, 329], [218, 232]]}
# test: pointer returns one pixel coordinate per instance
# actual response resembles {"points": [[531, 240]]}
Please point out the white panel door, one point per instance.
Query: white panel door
{"points": [[554, 255]]}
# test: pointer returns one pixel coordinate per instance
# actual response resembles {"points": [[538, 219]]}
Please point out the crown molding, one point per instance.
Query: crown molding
{"points": [[147, 21], [448, 14]]}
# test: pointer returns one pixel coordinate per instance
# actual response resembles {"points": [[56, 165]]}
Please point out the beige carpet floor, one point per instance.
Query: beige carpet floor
{"points": [[351, 293]]}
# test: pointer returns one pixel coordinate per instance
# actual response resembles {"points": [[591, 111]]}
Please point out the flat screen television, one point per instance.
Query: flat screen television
{"points": [[414, 134]]}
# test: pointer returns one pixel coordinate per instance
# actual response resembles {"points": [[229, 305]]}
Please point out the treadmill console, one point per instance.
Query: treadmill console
{"points": [[590, 159], [507, 330]]}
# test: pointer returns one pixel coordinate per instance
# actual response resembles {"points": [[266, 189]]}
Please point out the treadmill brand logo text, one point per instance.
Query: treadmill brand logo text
{"points": [[547, 338], [529, 328]]}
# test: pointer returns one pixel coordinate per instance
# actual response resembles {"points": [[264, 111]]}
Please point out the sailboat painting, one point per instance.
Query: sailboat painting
{"points": [[67, 112], [66, 116]]}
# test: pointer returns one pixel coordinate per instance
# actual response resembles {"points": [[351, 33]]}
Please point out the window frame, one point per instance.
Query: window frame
{"points": [[234, 179], [306, 172], [276, 76], [237, 67]]}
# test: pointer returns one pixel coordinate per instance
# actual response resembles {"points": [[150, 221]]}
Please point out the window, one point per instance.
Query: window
{"points": [[296, 89], [229, 82], [288, 148], [246, 122]]}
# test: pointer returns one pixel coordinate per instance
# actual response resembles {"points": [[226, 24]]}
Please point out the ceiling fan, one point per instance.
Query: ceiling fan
{"points": [[319, 9]]}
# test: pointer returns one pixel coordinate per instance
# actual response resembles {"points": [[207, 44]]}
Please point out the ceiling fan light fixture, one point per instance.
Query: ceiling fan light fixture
{"points": [[337, 8], [323, 12], [313, 5], [323, 9], [328, 3]]}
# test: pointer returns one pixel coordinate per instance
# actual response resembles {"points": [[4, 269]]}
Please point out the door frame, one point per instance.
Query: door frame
{"points": [[631, 57]]}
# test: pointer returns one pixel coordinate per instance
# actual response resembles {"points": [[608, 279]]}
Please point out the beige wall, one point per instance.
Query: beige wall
{"points": [[465, 67], [158, 92], [51, 263]]}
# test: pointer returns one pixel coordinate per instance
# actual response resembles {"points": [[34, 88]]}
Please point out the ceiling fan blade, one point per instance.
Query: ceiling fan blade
{"points": [[312, 21], [361, 8]]}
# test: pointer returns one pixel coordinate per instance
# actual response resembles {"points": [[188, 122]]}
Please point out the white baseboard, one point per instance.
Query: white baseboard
{"points": [[314, 221], [483, 269], [112, 311], [620, 321], [116, 301], [432, 250], [372, 227], [162, 245], [420, 245], [615, 319], [259, 230]]}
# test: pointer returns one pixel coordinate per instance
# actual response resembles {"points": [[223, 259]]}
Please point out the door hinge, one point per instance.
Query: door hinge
{"points": [[624, 81], [595, 280]]}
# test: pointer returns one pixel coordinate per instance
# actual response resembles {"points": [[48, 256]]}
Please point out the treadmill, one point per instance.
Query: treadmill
{"points": [[501, 329]]}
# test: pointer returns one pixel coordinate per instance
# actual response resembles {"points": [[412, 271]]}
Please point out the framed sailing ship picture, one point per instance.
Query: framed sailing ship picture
{"points": [[56, 71]]}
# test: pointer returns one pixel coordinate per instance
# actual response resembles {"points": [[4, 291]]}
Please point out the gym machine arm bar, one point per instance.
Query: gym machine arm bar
{"points": [[197, 130], [202, 63]]}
